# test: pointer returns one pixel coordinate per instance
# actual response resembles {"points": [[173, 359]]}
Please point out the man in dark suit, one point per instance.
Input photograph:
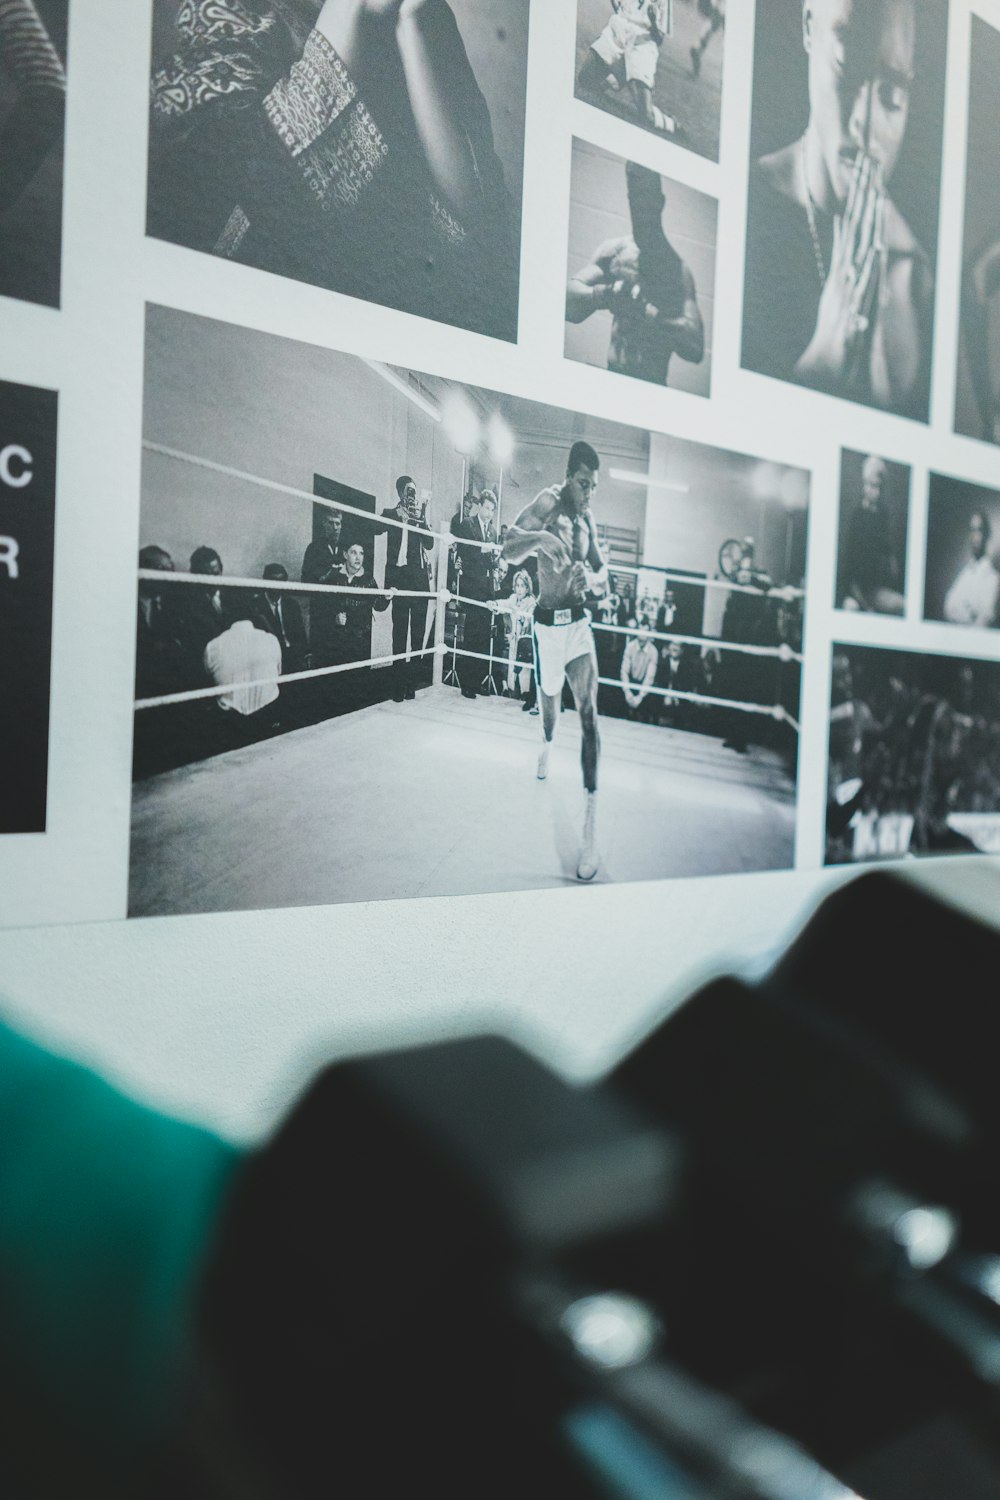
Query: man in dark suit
{"points": [[323, 560], [158, 653], [407, 567], [200, 615], [477, 583], [279, 613], [677, 672]]}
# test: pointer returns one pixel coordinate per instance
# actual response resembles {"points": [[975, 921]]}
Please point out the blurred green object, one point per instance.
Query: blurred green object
{"points": [[107, 1211]]}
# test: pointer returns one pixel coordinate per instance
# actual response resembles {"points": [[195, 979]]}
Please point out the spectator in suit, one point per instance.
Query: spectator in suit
{"points": [[324, 557], [278, 613], [476, 566], [666, 614], [469, 501], [407, 567], [158, 656], [201, 614], [676, 673], [355, 617]]}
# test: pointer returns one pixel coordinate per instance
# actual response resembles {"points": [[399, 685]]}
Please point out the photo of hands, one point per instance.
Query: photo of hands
{"points": [[640, 289], [846, 148]]}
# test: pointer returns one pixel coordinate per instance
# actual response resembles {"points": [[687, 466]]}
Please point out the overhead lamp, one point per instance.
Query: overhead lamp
{"points": [[501, 441], [461, 422], [635, 476]]}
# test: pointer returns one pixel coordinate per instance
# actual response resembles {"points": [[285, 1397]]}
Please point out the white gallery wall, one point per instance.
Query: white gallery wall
{"points": [[220, 1017]]}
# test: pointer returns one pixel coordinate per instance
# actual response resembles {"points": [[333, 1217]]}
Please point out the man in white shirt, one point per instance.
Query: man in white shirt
{"points": [[973, 597], [246, 661], [639, 664]]}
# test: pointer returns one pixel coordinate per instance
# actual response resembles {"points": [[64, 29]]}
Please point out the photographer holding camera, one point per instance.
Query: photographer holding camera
{"points": [[407, 567]]}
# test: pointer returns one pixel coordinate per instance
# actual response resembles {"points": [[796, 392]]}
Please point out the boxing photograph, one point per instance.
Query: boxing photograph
{"points": [[912, 765], [640, 288], [871, 550], [32, 126], [977, 391], [961, 579], [844, 198], [371, 147], [402, 636], [657, 64]]}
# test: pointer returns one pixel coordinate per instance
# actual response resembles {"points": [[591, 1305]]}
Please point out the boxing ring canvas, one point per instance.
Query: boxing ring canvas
{"points": [[321, 794]]}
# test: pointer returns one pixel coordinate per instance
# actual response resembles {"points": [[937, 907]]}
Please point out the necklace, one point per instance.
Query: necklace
{"points": [[811, 216]]}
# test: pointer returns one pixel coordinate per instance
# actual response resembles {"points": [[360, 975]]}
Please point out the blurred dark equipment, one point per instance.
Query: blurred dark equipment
{"points": [[761, 1261]]}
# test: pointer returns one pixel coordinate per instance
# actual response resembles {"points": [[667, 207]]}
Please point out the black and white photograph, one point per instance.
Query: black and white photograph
{"points": [[962, 584], [871, 550], [640, 288], [32, 123], [844, 201], [657, 64], [28, 419], [913, 764], [371, 147], [977, 390], [399, 636]]}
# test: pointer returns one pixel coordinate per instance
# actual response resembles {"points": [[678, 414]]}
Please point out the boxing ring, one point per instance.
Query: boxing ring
{"points": [[439, 796]]}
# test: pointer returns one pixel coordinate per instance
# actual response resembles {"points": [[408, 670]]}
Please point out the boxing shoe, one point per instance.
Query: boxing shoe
{"points": [[587, 866]]}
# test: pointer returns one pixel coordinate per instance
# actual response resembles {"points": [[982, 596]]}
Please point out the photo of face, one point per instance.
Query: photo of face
{"points": [[962, 581], [861, 62], [874, 516], [581, 487], [844, 202]]}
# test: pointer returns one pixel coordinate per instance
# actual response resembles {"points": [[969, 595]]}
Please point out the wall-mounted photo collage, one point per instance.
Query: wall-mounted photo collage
{"points": [[566, 454]]}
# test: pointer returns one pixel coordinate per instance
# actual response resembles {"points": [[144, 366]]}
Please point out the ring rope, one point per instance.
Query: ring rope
{"points": [[447, 537], [271, 585], [781, 653], [215, 581], [785, 591], [297, 494], [193, 695], [774, 712]]}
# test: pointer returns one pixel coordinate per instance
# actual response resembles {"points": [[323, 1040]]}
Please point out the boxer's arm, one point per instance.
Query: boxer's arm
{"points": [[688, 331], [595, 559], [528, 537]]}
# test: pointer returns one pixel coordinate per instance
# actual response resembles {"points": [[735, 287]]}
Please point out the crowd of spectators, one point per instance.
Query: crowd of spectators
{"points": [[914, 741], [191, 637], [655, 681], [244, 639]]}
